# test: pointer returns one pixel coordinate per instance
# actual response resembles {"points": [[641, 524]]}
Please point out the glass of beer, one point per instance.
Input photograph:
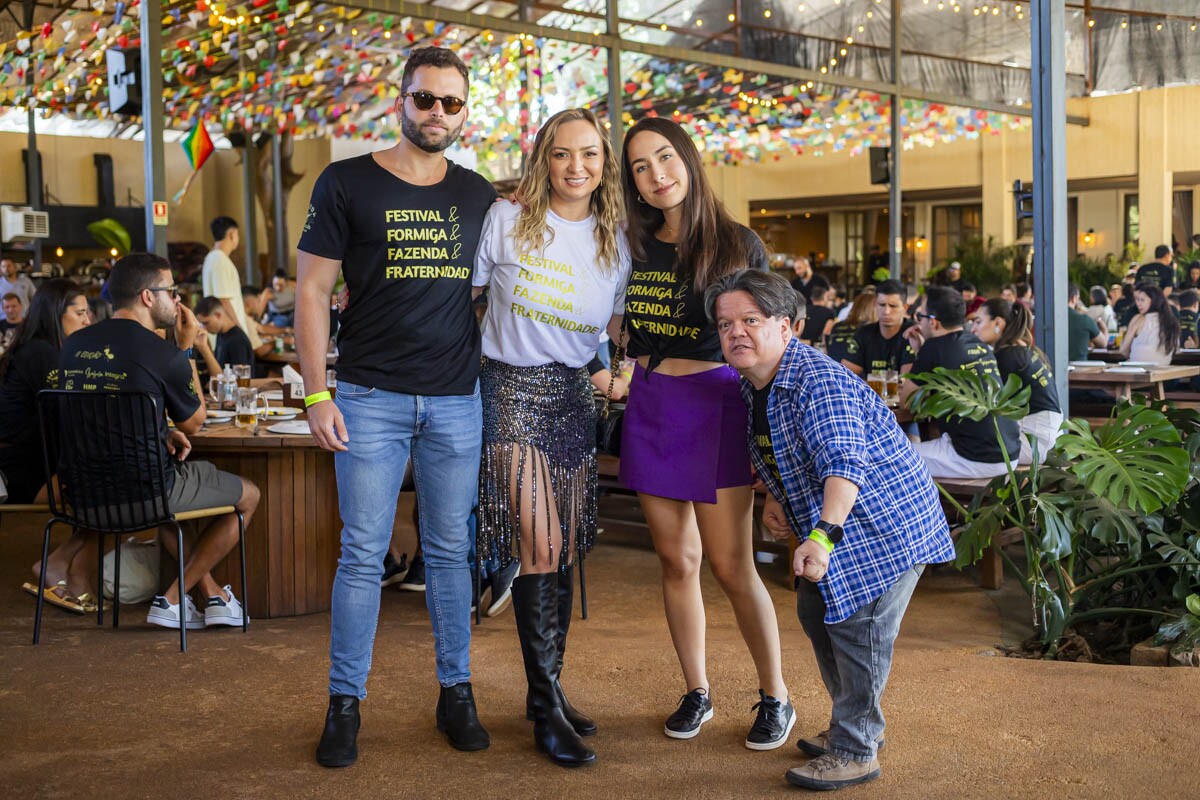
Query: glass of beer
{"points": [[878, 382], [249, 406], [242, 371], [891, 388]]}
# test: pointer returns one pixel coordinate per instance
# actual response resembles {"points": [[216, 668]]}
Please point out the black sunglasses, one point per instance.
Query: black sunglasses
{"points": [[922, 315], [173, 290], [424, 101]]}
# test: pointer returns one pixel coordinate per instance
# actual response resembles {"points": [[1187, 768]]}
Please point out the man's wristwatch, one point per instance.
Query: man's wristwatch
{"points": [[827, 534]]}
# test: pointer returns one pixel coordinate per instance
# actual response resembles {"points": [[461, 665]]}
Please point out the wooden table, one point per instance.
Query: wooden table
{"points": [[1122, 384], [1184, 357], [292, 544]]}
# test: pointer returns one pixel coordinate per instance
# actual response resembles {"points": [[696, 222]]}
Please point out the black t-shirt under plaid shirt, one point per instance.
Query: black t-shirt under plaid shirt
{"points": [[407, 253]]}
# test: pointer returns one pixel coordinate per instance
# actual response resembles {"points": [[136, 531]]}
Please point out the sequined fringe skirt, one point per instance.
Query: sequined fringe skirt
{"points": [[544, 411]]}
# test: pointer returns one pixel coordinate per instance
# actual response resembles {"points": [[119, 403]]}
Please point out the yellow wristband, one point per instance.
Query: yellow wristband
{"points": [[317, 397], [820, 538]]}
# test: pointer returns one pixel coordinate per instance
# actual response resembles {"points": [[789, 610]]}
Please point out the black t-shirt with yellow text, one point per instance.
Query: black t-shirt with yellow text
{"points": [[119, 355], [407, 253], [1034, 372], [974, 441], [665, 313], [873, 353]]}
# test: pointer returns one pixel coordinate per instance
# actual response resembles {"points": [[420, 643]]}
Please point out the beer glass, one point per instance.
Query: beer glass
{"points": [[249, 406], [877, 381], [891, 388], [242, 371]]}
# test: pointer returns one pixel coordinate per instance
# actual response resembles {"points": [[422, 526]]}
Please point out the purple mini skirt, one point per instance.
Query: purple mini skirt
{"points": [[683, 437]]}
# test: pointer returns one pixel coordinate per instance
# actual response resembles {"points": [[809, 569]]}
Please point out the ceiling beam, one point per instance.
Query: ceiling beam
{"points": [[438, 14]]}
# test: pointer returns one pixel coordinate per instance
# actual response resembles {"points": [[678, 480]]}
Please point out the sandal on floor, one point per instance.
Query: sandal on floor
{"points": [[66, 601], [88, 602]]}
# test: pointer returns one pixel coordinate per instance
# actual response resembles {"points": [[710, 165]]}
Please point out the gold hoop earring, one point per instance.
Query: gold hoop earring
{"points": [[641, 200]]}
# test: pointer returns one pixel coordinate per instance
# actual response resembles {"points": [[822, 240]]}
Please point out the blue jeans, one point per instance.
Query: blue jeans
{"points": [[444, 437], [855, 657]]}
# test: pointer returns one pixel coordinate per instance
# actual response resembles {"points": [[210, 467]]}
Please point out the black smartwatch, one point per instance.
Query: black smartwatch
{"points": [[833, 532]]}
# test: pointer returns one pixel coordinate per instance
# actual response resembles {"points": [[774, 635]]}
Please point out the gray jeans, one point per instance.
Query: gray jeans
{"points": [[855, 657]]}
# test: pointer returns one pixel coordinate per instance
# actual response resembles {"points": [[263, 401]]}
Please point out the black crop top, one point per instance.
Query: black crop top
{"points": [[665, 314]]}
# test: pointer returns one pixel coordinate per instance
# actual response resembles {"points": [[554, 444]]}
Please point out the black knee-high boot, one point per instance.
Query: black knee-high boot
{"points": [[535, 603], [582, 723]]}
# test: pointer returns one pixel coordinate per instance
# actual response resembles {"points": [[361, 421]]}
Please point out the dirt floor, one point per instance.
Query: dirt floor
{"points": [[97, 713]]}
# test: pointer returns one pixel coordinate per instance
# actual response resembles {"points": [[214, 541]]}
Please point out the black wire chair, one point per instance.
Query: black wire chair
{"points": [[107, 474]]}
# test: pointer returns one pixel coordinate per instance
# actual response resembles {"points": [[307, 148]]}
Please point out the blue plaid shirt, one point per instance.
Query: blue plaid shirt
{"points": [[827, 422]]}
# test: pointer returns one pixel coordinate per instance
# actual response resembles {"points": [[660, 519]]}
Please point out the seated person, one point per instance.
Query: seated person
{"points": [[820, 313], [146, 300], [1125, 308], [233, 345], [1009, 292], [972, 298], [253, 300], [966, 448], [59, 308], [1101, 311], [1082, 331], [1189, 315], [879, 347], [1008, 329], [841, 336], [280, 297], [1153, 335], [1192, 281], [14, 313]]}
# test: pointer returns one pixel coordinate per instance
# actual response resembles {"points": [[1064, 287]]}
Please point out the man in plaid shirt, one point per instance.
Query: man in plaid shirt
{"points": [[844, 479]]}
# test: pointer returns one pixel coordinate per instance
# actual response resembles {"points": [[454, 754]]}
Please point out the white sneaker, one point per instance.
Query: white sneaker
{"points": [[166, 614], [221, 612]]}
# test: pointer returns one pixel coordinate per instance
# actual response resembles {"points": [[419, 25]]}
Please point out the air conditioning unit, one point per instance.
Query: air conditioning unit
{"points": [[18, 223]]}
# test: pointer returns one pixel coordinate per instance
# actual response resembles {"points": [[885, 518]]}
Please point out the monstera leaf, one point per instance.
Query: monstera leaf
{"points": [[111, 234], [966, 394], [1134, 460]]}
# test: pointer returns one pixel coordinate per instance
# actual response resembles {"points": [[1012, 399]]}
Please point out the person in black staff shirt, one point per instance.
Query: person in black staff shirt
{"points": [[402, 225], [1189, 315], [966, 448], [805, 278], [1160, 272], [820, 316], [840, 341], [879, 347], [1008, 329], [128, 354], [233, 345]]}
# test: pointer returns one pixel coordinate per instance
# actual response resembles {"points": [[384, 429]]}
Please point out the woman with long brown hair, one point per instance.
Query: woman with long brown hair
{"points": [[684, 445], [557, 266]]}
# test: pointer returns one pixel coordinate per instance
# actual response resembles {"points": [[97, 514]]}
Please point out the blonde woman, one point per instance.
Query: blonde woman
{"points": [[556, 266]]}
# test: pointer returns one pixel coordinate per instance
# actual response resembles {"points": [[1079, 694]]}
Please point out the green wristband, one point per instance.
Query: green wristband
{"points": [[820, 538], [316, 397]]}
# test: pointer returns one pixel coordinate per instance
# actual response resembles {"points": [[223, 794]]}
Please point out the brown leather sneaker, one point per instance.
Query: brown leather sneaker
{"points": [[829, 772]]}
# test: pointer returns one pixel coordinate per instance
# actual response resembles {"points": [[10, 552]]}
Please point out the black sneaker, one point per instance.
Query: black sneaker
{"points": [[695, 709], [393, 571], [414, 581], [501, 584], [773, 723]]}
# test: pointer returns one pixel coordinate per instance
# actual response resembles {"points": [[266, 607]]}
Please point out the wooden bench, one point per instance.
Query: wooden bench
{"points": [[991, 565]]}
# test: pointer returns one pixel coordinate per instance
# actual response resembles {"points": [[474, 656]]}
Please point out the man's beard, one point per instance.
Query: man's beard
{"points": [[164, 319], [413, 133]]}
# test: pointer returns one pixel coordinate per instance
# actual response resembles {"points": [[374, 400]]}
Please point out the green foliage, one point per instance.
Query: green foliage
{"points": [[983, 264], [109, 234], [1087, 272], [880, 275], [1110, 523]]}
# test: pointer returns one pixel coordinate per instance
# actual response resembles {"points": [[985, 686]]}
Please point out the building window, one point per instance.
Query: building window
{"points": [[953, 225], [1133, 226], [856, 225]]}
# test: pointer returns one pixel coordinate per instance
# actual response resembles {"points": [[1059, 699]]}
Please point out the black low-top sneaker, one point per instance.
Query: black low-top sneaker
{"points": [[695, 709], [773, 723], [393, 571]]}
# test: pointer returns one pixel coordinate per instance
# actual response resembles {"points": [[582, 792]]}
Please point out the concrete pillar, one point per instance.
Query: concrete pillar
{"points": [[1155, 180], [998, 219], [729, 185]]}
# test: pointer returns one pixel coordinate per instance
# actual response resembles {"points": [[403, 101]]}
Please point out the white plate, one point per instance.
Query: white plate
{"points": [[1147, 364], [298, 427], [1127, 370], [1088, 363], [217, 415], [282, 414], [271, 394]]}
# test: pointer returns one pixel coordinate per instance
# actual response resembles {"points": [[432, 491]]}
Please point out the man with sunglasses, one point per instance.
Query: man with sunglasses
{"points": [[126, 353], [402, 225], [967, 448]]}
